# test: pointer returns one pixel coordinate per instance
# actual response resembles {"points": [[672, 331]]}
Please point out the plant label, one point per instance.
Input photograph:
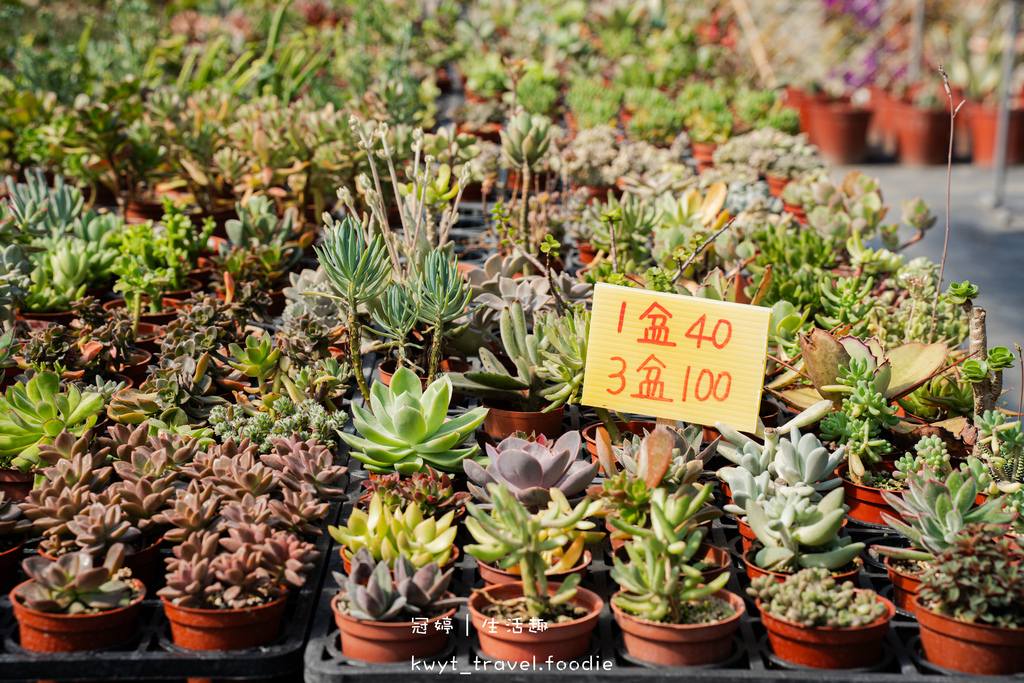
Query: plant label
{"points": [[676, 357]]}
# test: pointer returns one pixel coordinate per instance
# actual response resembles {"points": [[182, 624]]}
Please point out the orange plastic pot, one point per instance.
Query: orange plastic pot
{"points": [[828, 648], [223, 629], [54, 317], [970, 648], [501, 422], [747, 535], [496, 576], [384, 642], [905, 587], [10, 560], [586, 251], [390, 366], [866, 504], [169, 314], [45, 632], [557, 641], [754, 572], [776, 184], [680, 644], [704, 154]]}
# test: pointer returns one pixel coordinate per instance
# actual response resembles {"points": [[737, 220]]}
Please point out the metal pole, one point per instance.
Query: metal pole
{"points": [[1003, 121], [917, 42]]}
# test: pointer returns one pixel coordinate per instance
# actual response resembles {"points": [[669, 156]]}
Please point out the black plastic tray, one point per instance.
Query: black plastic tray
{"points": [[751, 660], [150, 654]]}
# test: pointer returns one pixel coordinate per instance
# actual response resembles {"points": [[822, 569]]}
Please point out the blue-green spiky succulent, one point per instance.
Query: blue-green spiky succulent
{"points": [[407, 430]]}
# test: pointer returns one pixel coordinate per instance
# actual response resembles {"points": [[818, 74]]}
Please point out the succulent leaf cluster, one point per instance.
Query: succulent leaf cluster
{"points": [[812, 598], [304, 420], [431, 490], [979, 578], [75, 583]]}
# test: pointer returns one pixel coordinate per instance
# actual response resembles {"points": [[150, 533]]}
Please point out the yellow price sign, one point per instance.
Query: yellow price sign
{"points": [[676, 357]]}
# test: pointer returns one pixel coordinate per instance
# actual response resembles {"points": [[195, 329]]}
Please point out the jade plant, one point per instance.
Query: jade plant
{"points": [[797, 533], [932, 513], [75, 584], [812, 598], [510, 535], [407, 428], [530, 468], [371, 594], [33, 413], [389, 533], [978, 579]]}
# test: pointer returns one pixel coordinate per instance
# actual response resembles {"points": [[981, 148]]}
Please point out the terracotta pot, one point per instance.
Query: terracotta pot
{"points": [[203, 272], [501, 422], [144, 563], [828, 648], [598, 193], [586, 251], [15, 484], [149, 338], [866, 504], [755, 572], [704, 152], [346, 559], [136, 369], [55, 317], [841, 131], [44, 632], [616, 542], [798, 212], [638, 427], [982, 121], [905, 587], [776, 184], [801, 101], [141, 211], [922, 134], [223, 629], [882, 130], [192, 285], [390, 366], [747, 535], [10, 560], [680, 644], [383, 642], [220, 217], [970, 648], [558, 641], [170, 313], [495, 576]]}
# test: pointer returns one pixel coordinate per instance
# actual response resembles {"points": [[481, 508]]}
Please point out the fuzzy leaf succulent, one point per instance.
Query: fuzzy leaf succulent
{"points": [[811, 598], [529, 469], [388, 533], [407, 430], [75, 583]]}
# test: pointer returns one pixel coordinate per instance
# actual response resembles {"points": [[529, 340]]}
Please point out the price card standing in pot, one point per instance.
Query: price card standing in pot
{"points": [[676, 357]]}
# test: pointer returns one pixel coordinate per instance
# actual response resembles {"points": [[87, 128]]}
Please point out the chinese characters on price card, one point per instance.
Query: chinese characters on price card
{"points": [[676, 357]]}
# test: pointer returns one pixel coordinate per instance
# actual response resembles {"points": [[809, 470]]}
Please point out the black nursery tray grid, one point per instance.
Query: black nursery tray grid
{"points": [[751, 660], [150, 654]]}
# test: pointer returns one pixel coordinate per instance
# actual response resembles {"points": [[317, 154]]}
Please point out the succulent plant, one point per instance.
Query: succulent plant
{"points": [[431, 490], [240, 474], [929, 452], [660, 585], [798, 533], [565, 355], [687, 461], [387, 533], [510, 535], [297, 511], [143, 500], [529, 389], [802, 461], [407, 429], [75, 584], [978, 579], [100, 526], [933, 513], [255, 567], [811, 598], [526, 140], [35, 412], [307, 465], [500, 282], [529, 469], [370, 593], [196, 508], [305, 420]]}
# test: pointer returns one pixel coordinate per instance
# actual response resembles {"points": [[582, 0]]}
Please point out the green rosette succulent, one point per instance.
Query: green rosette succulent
{"points": [[407, 430], [34, 413]]}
